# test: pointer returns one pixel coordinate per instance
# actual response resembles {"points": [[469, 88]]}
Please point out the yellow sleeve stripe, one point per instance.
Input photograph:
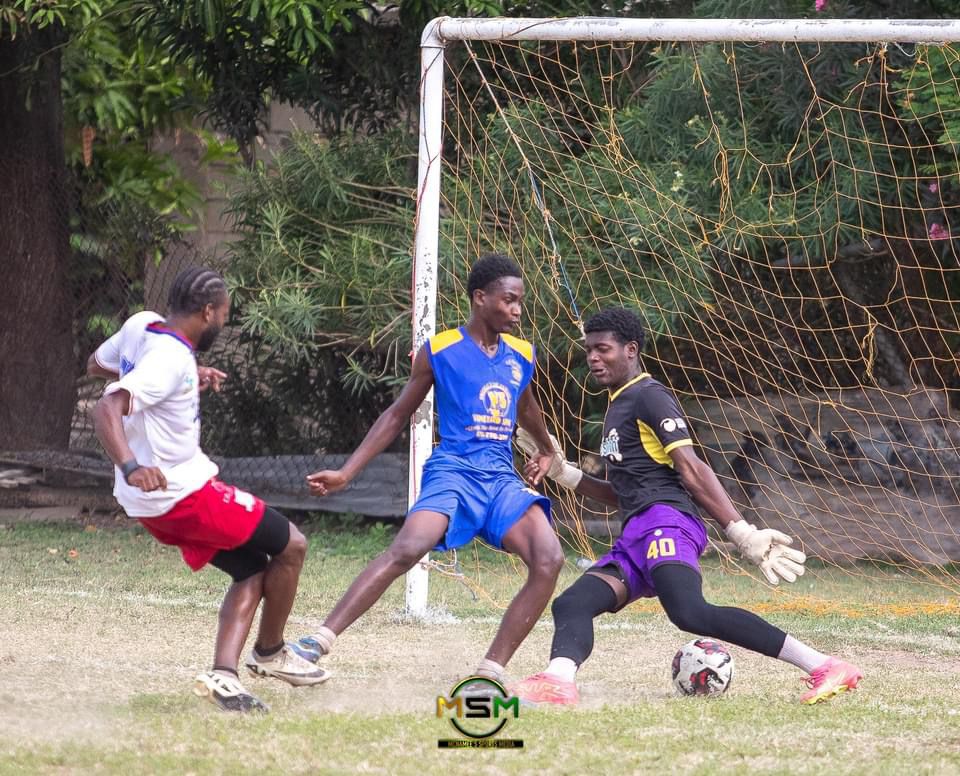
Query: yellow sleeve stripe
{"points": [[651, 444], [522, 347], [444, 340], [678, 443]]}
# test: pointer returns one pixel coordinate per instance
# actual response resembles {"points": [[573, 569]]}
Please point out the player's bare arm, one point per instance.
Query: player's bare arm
{"points": [[563, 472], [108, 425], [701, 482], [381, 433], [94, 369], [598, 489], [766, 547]]}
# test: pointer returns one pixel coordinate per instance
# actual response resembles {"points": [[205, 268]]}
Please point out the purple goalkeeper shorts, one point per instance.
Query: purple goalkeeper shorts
{"points": [[659, 534]]}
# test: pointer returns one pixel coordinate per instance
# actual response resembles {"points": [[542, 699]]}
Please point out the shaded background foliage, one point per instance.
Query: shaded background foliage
{"points": [[727, 179], [322, 265]]}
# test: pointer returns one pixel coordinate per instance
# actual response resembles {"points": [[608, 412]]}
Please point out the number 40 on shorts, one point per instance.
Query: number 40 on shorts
{"points": [[661, 548]]}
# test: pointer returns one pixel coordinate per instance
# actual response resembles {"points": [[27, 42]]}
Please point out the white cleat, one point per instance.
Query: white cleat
{"points": [[287, 665], [226, 693]]}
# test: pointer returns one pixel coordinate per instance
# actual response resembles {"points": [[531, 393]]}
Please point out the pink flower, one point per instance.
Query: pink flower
{"points": [[937, 232], [932, 188], [820, 5]]}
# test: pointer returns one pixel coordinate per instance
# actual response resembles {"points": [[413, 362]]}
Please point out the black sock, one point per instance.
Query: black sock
{"points": [[573, 614], [227, 670], [268, 651]]}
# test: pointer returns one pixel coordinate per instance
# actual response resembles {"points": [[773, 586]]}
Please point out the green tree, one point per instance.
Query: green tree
{"points": [[716, 150], [36, 402], [247, 52], [320, 274], [80, 97]]}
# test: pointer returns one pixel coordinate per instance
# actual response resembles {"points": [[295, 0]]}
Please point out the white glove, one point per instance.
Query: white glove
{"points": [[561, 470], [767, 549]]}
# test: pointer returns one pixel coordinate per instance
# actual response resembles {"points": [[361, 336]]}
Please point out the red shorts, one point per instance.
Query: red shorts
{"points": [[216, 517]]}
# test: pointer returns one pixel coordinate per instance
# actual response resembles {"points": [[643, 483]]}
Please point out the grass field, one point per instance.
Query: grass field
{"points": [[103, 631]]}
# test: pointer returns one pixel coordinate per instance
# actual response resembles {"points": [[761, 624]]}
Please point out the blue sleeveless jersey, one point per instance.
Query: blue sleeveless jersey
{"points": [[476, 398]]}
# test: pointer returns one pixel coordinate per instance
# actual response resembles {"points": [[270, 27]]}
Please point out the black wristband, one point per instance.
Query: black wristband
{"points": [[129, 467]]}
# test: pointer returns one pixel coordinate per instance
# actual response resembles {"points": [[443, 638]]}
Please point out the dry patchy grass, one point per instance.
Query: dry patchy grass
{"points": [[99, 650]]}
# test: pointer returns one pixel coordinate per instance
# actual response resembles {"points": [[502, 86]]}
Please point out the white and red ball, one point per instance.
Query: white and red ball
{"points": [[702, 667]]}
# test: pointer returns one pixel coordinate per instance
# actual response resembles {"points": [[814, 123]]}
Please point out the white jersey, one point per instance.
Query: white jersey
{"points": [[157, 368]]}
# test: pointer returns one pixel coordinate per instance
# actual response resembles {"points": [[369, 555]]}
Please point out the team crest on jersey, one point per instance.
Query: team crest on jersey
{"points": [[516, 373], [669, 425], [610, 447], [496, 400], [125, 366]]}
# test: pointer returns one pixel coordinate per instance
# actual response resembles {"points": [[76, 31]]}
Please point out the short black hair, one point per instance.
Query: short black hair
{"points": [[625, 325], [489, 268], [193, 289]]}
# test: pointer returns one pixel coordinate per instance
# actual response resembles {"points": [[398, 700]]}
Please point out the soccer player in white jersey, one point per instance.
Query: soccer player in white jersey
{"points": [[148, 421]]}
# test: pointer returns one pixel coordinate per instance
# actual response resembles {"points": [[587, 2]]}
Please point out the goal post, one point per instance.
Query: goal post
{"points": [[424, 285], [443, 32]]}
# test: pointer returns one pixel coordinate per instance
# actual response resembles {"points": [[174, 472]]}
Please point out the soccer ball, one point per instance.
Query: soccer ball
{"points": [[702, 667]]}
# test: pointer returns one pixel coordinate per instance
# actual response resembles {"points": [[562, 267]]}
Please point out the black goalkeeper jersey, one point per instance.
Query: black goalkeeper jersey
{"points": [[642, 425]]}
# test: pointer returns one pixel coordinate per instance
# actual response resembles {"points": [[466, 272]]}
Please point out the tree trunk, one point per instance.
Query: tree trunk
{"points": [[37, 380]]}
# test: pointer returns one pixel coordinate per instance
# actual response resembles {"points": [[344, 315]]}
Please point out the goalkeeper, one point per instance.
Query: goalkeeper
{"points": [[662, 487]]}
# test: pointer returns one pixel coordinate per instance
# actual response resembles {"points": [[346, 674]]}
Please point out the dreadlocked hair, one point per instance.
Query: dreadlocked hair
{"points": [[193, 289], [624, 324], [489, 268]]}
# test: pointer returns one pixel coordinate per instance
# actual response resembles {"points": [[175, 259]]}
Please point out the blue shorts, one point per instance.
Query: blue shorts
{"points": [[659, 534], [477, 503]]}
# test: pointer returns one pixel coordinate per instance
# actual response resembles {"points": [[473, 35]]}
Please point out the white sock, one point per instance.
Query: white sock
{"points": [[562, 668], [490, 670], [326, 637], [800, 655]]}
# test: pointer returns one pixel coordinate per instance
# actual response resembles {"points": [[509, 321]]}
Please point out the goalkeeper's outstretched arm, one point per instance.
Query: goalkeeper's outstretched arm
{"points": [[767, 548], [541, 451], [596, 488], [561, 471]]}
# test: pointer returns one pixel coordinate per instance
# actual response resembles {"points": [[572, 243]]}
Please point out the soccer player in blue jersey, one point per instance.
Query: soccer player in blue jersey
{"points": [[661, 487], [481, 377]]}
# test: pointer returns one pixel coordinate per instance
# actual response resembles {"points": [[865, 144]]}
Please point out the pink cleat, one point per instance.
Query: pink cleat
{"points": [[546, 688], [832, 678]]}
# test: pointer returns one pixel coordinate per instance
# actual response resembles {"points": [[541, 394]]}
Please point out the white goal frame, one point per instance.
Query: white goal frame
{"points": [[444, 30]]}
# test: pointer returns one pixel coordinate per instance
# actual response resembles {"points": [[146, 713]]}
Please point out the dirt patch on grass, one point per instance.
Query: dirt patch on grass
{"points": [[96, 648]]}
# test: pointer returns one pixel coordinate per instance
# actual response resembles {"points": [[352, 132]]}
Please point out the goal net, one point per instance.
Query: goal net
{"points": [[783, 213]]}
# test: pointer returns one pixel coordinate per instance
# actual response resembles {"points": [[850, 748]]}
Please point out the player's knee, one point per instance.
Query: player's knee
{"points": [[296, 549], [684, 620], [566, 604], [555, 560], [402, 555], [588, 597], [547, 562]]}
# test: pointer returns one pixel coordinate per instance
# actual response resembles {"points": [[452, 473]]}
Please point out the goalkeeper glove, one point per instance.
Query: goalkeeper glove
{"points": [[561, 470], [768, 550]]}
